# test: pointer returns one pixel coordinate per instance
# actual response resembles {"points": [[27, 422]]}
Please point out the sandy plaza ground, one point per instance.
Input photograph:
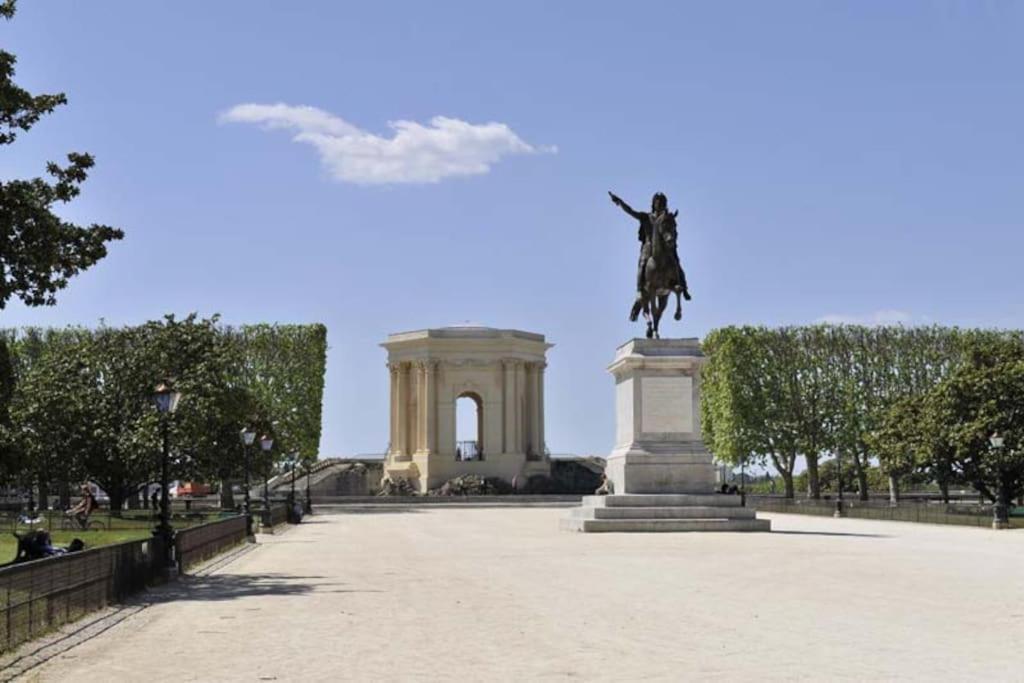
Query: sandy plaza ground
{"points": [[502, 594]]}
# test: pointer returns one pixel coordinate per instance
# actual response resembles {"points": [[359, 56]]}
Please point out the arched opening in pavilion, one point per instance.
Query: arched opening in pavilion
{"points": [[469, 427]]}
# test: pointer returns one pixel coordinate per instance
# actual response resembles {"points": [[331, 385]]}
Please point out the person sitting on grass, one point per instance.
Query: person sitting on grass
{"points": [[36, 545], [84, 508]]}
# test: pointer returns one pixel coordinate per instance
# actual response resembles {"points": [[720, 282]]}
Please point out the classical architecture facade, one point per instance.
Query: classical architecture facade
{"points": [[501, 371]]}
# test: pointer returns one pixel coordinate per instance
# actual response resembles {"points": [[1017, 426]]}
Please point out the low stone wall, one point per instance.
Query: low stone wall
{"points": [[355, 478]]}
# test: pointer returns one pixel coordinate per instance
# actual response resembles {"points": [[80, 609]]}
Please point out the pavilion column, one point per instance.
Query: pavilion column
{"points": [[509, 401], [528, 425], [429, 411], [541, 445], [522, 420], [535, 381], [402, 409], [420, 437], [393, 433]]}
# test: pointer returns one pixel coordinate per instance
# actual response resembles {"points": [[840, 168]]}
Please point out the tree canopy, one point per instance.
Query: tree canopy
{"points": [[39, 251], [81, 404], [921, 402]]}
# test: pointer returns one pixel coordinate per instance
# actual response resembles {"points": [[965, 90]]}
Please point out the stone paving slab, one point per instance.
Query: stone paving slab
{"points": [[502, 594]]}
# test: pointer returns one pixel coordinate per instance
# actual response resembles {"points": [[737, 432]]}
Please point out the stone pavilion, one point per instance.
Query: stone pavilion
{"points": [[501, 371]]}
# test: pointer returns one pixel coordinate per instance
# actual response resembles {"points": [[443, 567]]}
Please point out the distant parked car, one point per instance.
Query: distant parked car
{"points": [[192, 488]]}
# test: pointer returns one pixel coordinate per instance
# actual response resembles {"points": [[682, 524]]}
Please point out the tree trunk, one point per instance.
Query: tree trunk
{"points": [[1005, 494], [786, 474], [813, 483], [44, 495], [227, 496], [944, 490], [862, 477], [894, 490], [787, 478], [133, 500], [64, 492], [117, 496]]}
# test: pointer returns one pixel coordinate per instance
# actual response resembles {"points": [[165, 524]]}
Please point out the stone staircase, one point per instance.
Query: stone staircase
{"points": [[663, 512]]}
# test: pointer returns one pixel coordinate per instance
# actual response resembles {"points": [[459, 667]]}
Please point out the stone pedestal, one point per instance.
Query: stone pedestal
{"points": [[662, 475], [658, 438]]}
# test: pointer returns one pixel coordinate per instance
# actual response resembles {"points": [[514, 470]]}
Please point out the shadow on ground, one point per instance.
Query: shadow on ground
{"points": [[219, 587], [828, 533]]}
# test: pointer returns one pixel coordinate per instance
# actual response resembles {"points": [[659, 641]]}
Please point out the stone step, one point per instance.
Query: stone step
{"points": [[677, 512], [663, 525], [632, 500]]}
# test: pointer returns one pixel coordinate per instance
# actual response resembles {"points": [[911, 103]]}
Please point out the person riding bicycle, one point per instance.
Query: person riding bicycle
{"points": [[84, 508]]}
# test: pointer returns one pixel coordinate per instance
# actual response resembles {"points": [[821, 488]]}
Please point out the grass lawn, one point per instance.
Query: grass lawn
{"points": [[116, 530], [92, 539]]}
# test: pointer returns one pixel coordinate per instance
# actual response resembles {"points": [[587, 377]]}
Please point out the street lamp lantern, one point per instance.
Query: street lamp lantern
{"points": [[266, 443], [248, 435], [166, 398], [996, 440]]}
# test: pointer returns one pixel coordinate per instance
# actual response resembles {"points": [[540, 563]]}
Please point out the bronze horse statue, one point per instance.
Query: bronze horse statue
{"points": [[659, 272]]}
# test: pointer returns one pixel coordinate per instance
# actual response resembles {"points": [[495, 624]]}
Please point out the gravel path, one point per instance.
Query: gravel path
{"points": [[501, 594]]}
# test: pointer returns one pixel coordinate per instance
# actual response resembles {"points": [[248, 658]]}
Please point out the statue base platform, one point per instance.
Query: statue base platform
{"points": [[663, 512], [661, 474]]}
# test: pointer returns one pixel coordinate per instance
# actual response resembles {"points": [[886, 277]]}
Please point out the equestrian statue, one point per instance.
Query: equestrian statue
{"points": [[658, 272]]}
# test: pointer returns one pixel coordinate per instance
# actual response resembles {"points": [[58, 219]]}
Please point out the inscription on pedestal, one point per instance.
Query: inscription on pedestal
{"points": [[667, 404]]}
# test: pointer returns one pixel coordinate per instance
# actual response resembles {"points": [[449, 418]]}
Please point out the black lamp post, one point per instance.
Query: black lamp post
{"points": [[294, 458], [840, 512], [743, 482], [166, 400], [266, 443], [248, 435], [1000, 513], [293, 461], [309, 498]]}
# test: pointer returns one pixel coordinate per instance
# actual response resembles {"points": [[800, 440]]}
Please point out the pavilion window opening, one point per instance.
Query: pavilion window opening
{"points": [[469, 427]]}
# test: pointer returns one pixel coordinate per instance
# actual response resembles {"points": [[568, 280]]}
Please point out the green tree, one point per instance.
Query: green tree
{"points": [[729, 404], [815, 395], [282, 367], [901, 441], [39, 251], [982, 397], [10, 457], [53, 420], [747, 409]]}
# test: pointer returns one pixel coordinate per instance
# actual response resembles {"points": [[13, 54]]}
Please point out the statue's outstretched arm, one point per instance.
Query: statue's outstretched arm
{"points": [[624, 206]]}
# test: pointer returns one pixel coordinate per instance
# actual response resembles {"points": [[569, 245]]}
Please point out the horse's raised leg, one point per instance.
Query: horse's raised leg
{"points": [[679, 306], [650, 309], [659, 304], [638, 306]]}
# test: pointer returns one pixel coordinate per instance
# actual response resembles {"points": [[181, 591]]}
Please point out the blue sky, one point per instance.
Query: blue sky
{"points": [[850, 161]]}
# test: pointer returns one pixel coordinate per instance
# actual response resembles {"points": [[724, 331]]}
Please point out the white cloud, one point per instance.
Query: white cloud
{"points": [[415, 153], [876, 318]]}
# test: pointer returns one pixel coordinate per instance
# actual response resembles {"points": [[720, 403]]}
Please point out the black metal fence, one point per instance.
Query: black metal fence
{"points": [[36, 597], [924, 512], [199, 543], [273, 516]]}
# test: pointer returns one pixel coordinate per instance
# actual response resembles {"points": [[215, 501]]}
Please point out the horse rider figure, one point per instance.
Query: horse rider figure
{"points": [[658, 269]]}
